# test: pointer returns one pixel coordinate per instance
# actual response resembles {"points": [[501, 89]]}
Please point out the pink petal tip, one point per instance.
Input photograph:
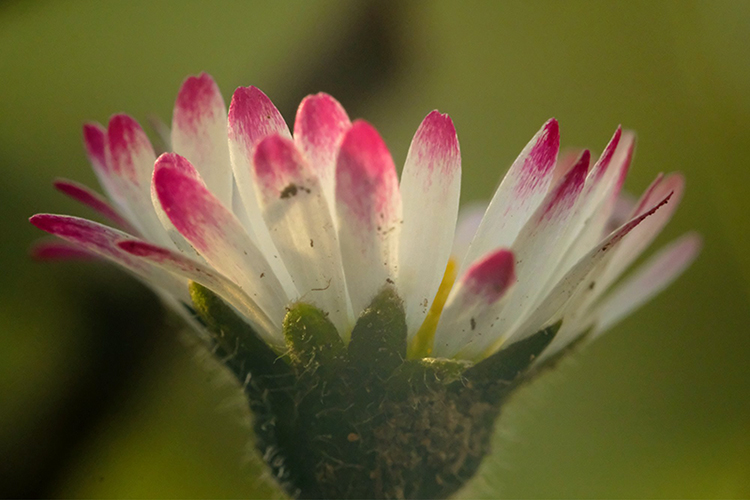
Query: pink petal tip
{"points": [[492, 276]]}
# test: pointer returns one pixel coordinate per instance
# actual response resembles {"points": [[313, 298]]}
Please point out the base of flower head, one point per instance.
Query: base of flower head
{"points": [[360, 421]]}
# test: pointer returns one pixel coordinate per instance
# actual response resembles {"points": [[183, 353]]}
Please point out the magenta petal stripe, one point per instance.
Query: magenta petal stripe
{"points": [[605, 160], [199, 133], [430, 191], [520, 193], [86, 196], [217, 235], [368, 205]]}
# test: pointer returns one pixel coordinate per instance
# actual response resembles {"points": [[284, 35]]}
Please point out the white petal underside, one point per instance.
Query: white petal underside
{"points": [[295, 208], [216, 234], [130, 159], [199, 133], [368, 206], [521, 191], [252, 117], [184, 267], [536, 257], [430, 190], [469, 312]]}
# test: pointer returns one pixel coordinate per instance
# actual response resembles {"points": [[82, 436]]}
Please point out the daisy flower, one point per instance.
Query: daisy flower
{"points": [[333, 265]]}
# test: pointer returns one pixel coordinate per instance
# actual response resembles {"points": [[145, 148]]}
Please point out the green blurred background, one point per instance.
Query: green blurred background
{"points": [[99, 397]]}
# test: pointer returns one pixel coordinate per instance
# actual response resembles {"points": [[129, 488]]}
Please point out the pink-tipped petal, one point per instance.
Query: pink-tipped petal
{"points": [[252, 117], [294, 206], [95, 142], [319, 127], [649, 279], [641, 237], [182, 165], [368, 205], [216, 234], [129, 149], [566, 160], [539, 248], [489, 279], [597, 201], [86, 196], [199, 133], [430, 190], [561, 200], [583, 280], [193, 270], [101, 240], [469, 313], [59, 251], [520, 193], [542, 241], [605, 160], [130, 158]]}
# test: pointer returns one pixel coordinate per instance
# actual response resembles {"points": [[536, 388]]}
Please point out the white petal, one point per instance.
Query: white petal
{"points": [[430, 190], [252, 117], [368, 205], [130, 158], [182, 266], [637, 241], [520, 193], [597, 201], [199, 133], [319, 127], [583, 279], [95, 141], [469, 313], [296, 211], [216, 234], [102, 240]]}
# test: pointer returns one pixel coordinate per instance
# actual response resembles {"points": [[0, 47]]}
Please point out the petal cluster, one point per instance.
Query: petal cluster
{"points": [[266, 218]]}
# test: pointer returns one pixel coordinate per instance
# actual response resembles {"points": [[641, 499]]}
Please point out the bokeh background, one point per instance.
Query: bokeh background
{"points": [[100, 396]]}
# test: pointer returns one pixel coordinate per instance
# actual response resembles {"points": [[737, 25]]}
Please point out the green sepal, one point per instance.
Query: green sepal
{"points": [[378, 342], [312, 338], [554, 360], [502, 368], [238, 346]]}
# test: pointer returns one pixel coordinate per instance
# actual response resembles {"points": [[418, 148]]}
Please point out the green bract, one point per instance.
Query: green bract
{"points": [[359, 420]]}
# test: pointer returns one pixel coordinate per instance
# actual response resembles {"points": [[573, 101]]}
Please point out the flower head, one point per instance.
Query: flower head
{"points": [[329, 257]]}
